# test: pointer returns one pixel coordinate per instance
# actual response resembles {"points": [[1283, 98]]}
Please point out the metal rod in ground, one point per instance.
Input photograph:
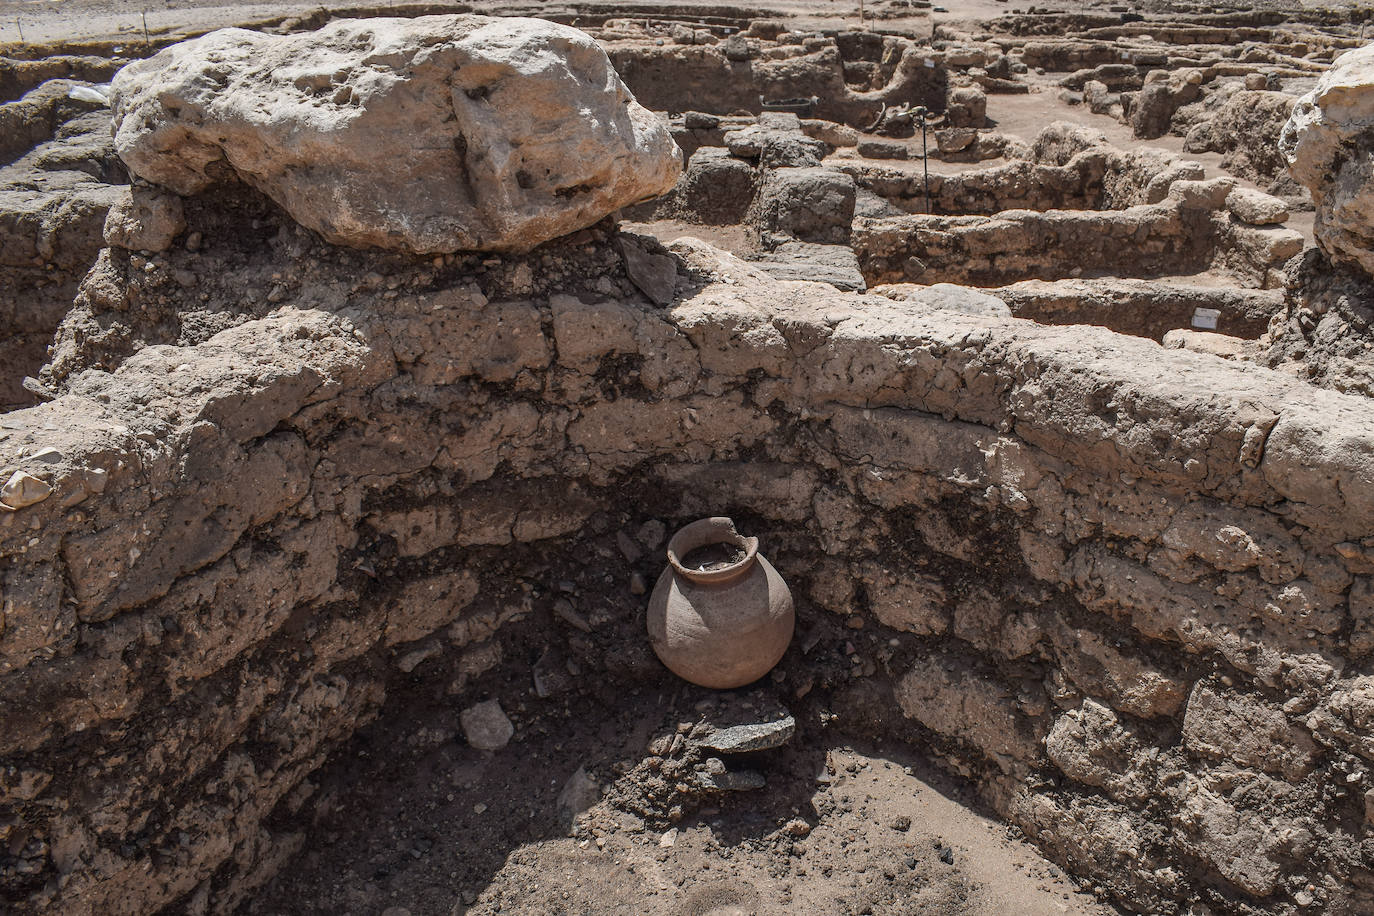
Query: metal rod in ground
{"points": [[144, 14], [925, 157], [20, 23]]}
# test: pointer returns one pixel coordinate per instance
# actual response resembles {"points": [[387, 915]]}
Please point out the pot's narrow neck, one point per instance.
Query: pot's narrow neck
{"points": [[704, 533]]}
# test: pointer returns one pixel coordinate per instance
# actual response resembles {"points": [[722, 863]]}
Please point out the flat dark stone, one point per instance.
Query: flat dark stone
{"points": [[741, 739]]}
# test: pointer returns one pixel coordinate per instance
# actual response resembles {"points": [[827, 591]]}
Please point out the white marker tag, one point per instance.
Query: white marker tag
{"points": [[1206, 318]]}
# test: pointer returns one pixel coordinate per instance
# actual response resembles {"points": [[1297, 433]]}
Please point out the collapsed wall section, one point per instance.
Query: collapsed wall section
{"points": [[1131, 587]]}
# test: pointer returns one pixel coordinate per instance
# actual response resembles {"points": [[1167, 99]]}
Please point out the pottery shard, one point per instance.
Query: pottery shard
{"points": [[1328, 143], [434, 134]]}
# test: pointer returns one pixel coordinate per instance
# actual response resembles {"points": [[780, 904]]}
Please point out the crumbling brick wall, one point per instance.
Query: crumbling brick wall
{"points": [[1132, 587]]}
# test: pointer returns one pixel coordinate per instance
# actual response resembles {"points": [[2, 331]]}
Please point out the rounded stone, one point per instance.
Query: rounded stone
{"points": [[433, 134]]}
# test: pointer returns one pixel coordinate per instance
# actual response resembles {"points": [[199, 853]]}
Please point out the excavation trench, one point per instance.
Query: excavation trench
{"points": [[280, 514], [407, 486]]}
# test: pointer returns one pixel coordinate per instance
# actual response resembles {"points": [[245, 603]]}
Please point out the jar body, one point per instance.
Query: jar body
{"points": [[723, 628]]}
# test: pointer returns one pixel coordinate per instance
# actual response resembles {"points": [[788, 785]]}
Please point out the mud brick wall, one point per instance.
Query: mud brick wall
{"points": [[1054, 178], [52, 210], [1143, 308], [701, 78], [1169, 237], [1130, 588]]}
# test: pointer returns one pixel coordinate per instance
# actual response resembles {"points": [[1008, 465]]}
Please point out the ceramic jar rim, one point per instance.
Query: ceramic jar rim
{"points": [[707, 531]]}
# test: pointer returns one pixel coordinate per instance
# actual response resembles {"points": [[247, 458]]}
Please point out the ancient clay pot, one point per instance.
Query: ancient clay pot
{"points": [[723, 627]]}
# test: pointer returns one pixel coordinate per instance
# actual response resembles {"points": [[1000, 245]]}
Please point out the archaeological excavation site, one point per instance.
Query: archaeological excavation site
{"points": [[679, 459]]}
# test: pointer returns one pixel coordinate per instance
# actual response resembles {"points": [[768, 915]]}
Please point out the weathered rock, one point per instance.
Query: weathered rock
{"points": [[714, 775], [1153, 107], [833, 264], [716, 189], [1222, 345], [1243, 129], [654, 273], [738, 49], [912, 604], [1144, 308], [1100, 100], [1090, 746], [1256, 207], [966, 106], [486, 726], [1210, 194], [776, 141], [947, 297], [1247, 730], [949, 699], [432, 134], [1325, 332], [1329, 145], [144, 219], [740, 739], [23, 490], [1239, 836], [874, 148], [810, 204], [579, 793]]}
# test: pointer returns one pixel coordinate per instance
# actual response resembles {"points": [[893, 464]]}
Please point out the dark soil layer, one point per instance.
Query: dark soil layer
{"points": [[410, 817]]}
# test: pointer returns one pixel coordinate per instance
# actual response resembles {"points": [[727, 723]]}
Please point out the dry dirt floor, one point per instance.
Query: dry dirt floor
{"points": [[414, 822]]}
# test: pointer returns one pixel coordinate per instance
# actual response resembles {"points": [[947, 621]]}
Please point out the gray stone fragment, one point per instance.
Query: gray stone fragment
{"points": [[833, 264], [654, 274], [948, 297], [486, 727], [579, 793], [565, 611], [714, 775], [697, 120], [740, 739]]}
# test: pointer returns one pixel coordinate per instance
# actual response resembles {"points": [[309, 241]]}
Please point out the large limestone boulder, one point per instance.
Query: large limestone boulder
{"points": [[435, 134], [1329, 144]]}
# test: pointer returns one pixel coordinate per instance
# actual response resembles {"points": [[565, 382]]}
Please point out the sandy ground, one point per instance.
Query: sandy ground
{"points": [[416, 822]]}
